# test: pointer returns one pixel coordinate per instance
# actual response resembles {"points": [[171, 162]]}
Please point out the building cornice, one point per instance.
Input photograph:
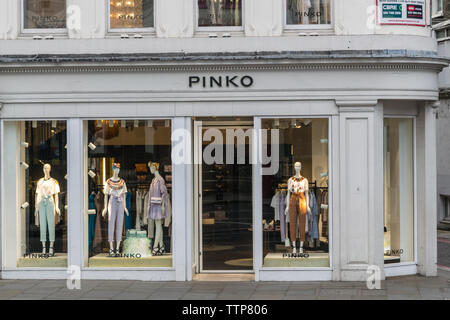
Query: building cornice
{"points": [[217, 62]]}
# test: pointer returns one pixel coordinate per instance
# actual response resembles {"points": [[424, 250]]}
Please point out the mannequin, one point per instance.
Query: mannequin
{"points": [[297, 205], [157, 207], [46, 207], [115, 191]]}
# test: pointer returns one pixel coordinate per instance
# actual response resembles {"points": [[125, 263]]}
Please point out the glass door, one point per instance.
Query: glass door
{"points": [[225, 197]]}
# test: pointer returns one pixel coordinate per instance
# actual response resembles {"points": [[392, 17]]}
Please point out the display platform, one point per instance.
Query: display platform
{"points": [[38, 260], [283, 260], [391, 259], [103, 260]]}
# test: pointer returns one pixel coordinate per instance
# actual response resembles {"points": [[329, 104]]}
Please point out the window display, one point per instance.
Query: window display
{"points": [[398, 190], [295, 198], [308, 12], [129, 216], [220, 13], [131, 14], [39, 150], [44, 14]]}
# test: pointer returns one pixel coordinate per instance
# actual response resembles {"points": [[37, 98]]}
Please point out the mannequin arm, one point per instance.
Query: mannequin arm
{"points": [[124, 197], [105, 206], [36, 205], [288, 197], [57, 204]]}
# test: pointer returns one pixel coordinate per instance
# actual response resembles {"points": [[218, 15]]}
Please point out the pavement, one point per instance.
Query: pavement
{"points": [[396, 288], [414, 287], [443, 248]]}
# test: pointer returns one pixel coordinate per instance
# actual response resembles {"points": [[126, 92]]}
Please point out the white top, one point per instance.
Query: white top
{"points": [[115, 188], [46, 188], [298, 185]]}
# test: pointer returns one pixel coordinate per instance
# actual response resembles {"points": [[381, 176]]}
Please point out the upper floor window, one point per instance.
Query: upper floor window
{"points": [[305, 12], [436, 6], [220, 13], [131, 14], [44, 14]]}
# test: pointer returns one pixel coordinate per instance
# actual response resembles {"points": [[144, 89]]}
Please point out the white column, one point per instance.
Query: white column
{"points": [[10, 19], [427, 191], [263, 18], [182, 198], [257, 198], [75, 193], [361, 189], [174, 18], [86, 19]]}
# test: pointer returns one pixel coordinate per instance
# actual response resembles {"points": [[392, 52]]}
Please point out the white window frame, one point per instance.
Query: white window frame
{"points": [[312, 27], [414, 261], [258, 195], [5, 257], [35, 31], [148, 30], [85, 223], [218, 29]]}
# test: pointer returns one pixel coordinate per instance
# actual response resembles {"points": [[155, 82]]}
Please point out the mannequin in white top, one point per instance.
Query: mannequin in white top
{"points": [[115, 188], [47, 206], [297, 184]]}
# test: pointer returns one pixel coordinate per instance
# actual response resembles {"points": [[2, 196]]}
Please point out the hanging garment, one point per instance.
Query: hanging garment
{"points": [[116, 208], [158, 196], [324, 213], [46, 188], [212, 12], [128, 217], [141, 206], [91, 222], [314, 216], [99, 241], [279, 204]]}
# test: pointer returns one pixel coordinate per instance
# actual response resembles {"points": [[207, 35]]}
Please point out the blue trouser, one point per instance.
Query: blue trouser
{"points": [[47, 218], [116, 212]]}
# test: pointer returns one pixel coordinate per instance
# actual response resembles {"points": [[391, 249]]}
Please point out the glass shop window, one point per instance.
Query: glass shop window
{"points": [[398, 190], [296, 215], [220, 13], [35, 221], [300, 12], [129, 193], [131, 14], [44, 14]]}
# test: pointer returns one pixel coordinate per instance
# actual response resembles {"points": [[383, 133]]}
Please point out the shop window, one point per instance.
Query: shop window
{"points": [[398, 190], [44, 14], [307, 12], [131, 14], [129, 193], [220, 13], [35, 222], [296, 213]]}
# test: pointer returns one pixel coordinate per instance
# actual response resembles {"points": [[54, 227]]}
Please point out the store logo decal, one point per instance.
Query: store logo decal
{"points": [[220, 81]]}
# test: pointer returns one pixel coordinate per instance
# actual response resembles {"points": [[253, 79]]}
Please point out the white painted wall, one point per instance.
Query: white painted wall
{"points": [[176, 18]]}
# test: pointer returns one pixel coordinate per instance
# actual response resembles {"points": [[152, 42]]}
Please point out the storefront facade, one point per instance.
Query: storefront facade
{"points": [[244, 155]]}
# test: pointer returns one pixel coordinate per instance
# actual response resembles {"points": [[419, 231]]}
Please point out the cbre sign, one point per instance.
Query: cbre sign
{"points": [[220, 81]]}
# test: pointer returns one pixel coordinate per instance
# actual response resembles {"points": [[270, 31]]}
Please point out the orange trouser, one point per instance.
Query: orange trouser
{"points": [[297, 207]]}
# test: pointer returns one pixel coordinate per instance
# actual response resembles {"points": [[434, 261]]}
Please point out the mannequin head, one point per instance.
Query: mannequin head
{"points": [[154, 166], [298, 168], [116, 169], [47, 168]]}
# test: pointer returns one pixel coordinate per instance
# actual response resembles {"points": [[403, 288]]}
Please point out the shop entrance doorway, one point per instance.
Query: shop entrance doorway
{"points": [[223, 195]]}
